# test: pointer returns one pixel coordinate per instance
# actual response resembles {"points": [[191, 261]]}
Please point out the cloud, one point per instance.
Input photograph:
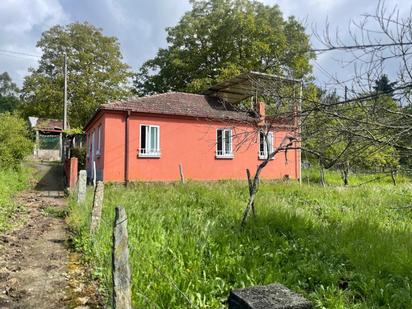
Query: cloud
{"points": [[22, 23], [140, 25]]}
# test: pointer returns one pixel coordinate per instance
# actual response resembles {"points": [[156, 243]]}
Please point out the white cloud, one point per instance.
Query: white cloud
{"points": [[22, 23], [140, 25]]}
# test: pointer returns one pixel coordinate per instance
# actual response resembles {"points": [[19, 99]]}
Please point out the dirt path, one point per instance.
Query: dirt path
{"points": [[37, 268]]}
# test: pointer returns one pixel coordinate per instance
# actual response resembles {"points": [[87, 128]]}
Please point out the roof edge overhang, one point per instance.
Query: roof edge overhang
{"points": [[251, 121]]}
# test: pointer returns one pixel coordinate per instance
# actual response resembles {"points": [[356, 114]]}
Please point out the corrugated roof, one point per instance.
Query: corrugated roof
{"points": [[45, 124], [245, 85]]}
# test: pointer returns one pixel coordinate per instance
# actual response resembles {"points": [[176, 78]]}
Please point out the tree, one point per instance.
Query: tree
{"points": [[9, 91], [384, 86], [343, 136], [96, 73], [15, 144], [218, 39], [379, 42], [281, 118]]}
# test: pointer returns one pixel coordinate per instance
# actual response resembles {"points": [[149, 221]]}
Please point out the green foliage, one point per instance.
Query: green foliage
{"points": [[383, 85], [218, 39], [340, 247], [15, 144], [80, 154], [9, 100], [11, 182], [73, 131], [348, 135], [96, 73]]}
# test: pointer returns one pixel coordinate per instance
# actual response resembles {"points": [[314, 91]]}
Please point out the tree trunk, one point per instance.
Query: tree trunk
{"points": [[394, 174], [321, 174], [345, 175], [253, 183], [249, 180]]}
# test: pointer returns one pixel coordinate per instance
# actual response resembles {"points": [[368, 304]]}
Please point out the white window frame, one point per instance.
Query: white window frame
{"points": [[99, 140], [224, 153], [143, 153], [263, 155]]}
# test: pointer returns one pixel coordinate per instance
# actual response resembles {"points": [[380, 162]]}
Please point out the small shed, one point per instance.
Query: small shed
{"points": [[49, 138]]}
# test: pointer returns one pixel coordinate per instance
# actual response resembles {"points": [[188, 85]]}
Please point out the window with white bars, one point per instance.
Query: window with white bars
{"points": [[149, 141], [224, 143], [265, 146]]}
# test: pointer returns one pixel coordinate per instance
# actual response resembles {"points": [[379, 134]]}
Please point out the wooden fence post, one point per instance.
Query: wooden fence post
{"points": [[97, 207], [182, 177], [81, 190], [120, 262]]}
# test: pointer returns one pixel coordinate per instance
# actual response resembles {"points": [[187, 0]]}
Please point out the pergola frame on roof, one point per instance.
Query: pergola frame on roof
{"points": [[244, 86]]}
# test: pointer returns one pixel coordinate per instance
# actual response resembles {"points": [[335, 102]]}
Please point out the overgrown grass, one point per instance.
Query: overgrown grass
{"points": [[334, 178], [340, 247], [11, 182]]}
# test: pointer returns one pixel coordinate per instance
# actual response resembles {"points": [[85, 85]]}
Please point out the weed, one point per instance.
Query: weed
{"points": [[339, 247]]}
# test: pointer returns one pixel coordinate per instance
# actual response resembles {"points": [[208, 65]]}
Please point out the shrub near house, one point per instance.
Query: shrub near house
{"points": [[14, 147]]}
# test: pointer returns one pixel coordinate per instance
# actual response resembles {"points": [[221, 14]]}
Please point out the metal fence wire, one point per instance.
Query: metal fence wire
{"points": [[133, 250], [49, 142]]}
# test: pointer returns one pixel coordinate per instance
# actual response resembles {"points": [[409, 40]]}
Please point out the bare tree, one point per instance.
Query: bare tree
{"points": [[369, 118], [276, 101]]}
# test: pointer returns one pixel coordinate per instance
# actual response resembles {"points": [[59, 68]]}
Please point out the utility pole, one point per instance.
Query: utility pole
{"points": [[63, 141], [65, 93]]}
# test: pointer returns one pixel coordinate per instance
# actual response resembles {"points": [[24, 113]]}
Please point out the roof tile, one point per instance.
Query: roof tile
{"points": [[182, 104]]}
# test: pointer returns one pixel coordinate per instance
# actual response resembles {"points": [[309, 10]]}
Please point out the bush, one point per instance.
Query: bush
{"points": [[15, 144], [11, 182], [80, 154]]}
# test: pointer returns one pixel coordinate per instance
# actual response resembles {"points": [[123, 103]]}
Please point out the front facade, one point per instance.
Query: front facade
{"points": [[156, 138]]}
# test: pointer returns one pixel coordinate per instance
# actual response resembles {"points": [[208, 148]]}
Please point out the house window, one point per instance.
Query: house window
{"points": [[263, 146], [99, 140], [224, 143], [149, 141]]}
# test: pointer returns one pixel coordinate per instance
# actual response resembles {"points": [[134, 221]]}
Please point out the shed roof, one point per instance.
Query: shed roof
{"points": [[46, 124]]}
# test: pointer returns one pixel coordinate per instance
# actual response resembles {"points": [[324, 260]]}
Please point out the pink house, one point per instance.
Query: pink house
{"points": [[150, 138]]}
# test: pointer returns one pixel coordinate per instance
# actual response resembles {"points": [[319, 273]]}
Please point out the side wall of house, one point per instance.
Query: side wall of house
{"points": [[189, 142], [114, 158], [96, 147]]}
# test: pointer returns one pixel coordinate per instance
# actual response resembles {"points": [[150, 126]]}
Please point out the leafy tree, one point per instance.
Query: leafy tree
{"points": [[96, 73], [383, 85], [15, 144], [9, 100], [221, 38]]}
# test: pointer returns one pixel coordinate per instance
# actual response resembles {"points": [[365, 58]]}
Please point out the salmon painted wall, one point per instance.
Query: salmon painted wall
{"points": [[96, 156], [190, 142]]}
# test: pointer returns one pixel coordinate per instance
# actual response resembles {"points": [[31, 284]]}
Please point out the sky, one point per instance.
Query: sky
{"points": [[140, 26]]}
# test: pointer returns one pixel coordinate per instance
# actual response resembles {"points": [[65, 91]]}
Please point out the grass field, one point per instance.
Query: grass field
{"points": [[339, 247], [11, 182]]}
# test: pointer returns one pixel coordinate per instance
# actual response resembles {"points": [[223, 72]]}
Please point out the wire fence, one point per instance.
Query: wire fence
{"points": [[134, 251]]}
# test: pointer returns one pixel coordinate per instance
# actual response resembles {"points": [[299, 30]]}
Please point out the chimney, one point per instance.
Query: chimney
{"points": [[260, 109]]}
